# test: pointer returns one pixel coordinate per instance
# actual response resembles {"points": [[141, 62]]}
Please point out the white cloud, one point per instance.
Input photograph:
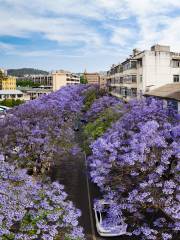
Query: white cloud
{"points": [[82, 23], [6, 47], [120, 36]]}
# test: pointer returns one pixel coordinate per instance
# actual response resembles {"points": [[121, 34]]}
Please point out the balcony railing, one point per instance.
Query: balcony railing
{"points": [[126, 79]]}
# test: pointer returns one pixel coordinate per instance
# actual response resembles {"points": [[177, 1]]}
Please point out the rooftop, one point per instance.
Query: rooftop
{"points": [[136, 54], [171, 91], [10, 92]]}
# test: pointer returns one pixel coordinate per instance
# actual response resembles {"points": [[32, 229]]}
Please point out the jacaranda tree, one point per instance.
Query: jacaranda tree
{"points": [[33, 134], [30, 209], [136, 164]]}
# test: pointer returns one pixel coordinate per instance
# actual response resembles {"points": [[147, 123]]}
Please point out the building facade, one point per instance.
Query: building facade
{"points": [[63, 78], [144, 71], [44, 80], [36, 93], [103, 81], [55, 80], [7, 82], [11, 94], [92, 78]]}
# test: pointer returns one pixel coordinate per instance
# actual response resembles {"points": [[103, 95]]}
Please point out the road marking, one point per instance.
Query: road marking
{"points": [[89, 201]]}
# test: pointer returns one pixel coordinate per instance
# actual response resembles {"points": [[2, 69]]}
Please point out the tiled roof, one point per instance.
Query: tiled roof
{"points": [[171, 91]]}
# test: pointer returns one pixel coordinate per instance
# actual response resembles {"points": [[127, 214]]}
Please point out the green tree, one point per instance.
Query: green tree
{"points": [[26, 83], [11, 102], [83, 80], [2, 76]]}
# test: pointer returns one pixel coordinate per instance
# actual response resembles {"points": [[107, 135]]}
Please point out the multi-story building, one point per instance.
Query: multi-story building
{"points": [[44, 80], [92, 78], [7, 82], [144, 71], [103, 81], [62, 78], [55, 80]]}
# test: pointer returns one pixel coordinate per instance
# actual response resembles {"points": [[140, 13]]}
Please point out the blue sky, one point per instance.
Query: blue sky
{"points": [[81, 34]]}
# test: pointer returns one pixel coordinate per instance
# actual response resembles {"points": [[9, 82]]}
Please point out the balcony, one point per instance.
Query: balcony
{"points": [[130, 65], [130, 79]]}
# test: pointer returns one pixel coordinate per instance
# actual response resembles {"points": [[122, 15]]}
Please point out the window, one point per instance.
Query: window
{"points": [[123, 91], [175, 63], [140, 93], [133, 78], [133, 64], [140, 62], [140, 78], [134, 92], [175, 78], [128, 92]]}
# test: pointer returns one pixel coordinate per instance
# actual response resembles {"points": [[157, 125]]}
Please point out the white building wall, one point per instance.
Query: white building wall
{"points": [[174, 71], [59, 80], [156, 70]]}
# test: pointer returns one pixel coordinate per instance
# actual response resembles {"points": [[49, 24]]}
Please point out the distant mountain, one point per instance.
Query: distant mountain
{"points": [[25, 71]]}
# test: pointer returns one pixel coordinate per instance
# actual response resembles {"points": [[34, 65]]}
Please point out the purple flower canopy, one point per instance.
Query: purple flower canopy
{"points": [[30, 209], [101, 104], [136, 163], [31, 135]]}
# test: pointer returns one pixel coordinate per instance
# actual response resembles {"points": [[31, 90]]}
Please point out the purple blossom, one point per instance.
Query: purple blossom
{"points": [[137, 158]]}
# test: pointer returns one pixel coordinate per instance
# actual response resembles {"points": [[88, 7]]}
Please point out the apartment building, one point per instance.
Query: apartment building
{"points": [[62, 78], [7, 82], [54, 80], [92, 78], [44, 80], [103, 81], [144, 71]]}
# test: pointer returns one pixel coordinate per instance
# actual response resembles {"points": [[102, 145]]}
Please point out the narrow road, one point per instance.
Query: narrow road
{"points": [[94, 193], [73, 174]]}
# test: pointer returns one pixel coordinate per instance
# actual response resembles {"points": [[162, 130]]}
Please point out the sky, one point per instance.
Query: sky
{"points": [[83, 34]]}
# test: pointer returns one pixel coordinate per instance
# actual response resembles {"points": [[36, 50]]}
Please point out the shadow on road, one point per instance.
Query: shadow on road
{"points": [[71, 173]]}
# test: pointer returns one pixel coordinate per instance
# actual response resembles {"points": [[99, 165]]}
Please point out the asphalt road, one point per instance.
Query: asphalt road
{"points": [[73, 174]]}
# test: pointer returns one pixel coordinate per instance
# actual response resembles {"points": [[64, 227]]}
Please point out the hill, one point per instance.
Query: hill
{"points": [[25, 71]]}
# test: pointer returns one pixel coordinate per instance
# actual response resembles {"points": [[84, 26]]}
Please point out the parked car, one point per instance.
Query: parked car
{"points": [[4, 108], [103, 229]]}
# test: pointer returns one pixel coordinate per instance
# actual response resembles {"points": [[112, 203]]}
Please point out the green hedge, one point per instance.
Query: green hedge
{"points": [[11, 102]]}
